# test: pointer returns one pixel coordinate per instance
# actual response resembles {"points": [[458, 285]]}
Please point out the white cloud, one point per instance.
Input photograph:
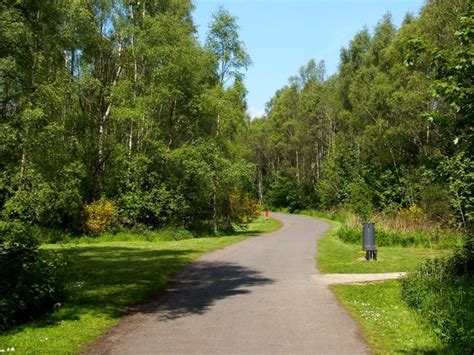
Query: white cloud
{"points": [[256, 112]]}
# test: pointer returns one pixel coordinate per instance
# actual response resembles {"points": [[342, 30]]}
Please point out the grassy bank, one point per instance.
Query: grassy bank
{"points": [[105, 276], [387, 323]]}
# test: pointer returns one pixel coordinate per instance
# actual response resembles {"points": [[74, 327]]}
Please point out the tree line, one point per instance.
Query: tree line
{"points": [[117, 101], [392, 128]]}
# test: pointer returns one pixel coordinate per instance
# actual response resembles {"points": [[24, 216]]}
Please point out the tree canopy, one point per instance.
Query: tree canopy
{"points": [[117, 100]]}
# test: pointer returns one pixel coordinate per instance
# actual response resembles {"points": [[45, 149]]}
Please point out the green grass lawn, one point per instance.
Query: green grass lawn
{"points": [[387, 323], [104, 277], [335, 256]]}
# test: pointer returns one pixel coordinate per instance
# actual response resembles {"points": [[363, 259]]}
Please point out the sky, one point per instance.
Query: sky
{"points": [[282, 35]]}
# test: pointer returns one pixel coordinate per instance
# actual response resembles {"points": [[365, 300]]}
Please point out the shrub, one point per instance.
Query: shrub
{"points": [[243, 208], [31, 284], [360, 200], [442, 291], [436, 203], [54, 204], [154, 208], [100, 216]]}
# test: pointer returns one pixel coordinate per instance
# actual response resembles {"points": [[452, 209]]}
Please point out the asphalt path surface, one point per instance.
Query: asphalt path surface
{"points": [[260, 296]]}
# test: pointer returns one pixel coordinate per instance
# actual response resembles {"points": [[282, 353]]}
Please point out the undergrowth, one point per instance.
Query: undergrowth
{"points": [[442, 291], [408, 239]]}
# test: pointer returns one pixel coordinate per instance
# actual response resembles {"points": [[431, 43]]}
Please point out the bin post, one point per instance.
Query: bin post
{"points": [[368, 241]]}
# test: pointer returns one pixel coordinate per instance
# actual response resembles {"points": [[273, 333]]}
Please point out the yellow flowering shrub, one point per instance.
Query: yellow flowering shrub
{"points": [[100, 216], [243, 207], [413, 213]]}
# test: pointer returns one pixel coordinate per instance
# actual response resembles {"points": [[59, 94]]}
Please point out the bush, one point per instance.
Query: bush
{"points": [[100, 216], [436, 203], [360, 200], [54, 204], [243, 208], [442, 291], [154, 208], [31, 284]]}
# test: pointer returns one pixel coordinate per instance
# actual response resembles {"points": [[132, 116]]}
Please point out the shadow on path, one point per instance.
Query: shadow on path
{"points": [[199, 286]]}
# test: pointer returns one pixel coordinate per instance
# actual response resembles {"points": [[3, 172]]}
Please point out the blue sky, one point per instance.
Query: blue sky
{"points": [[282, 35]]}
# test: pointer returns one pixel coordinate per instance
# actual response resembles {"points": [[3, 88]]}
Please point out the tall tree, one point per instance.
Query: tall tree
{"points": [[223, 41]]}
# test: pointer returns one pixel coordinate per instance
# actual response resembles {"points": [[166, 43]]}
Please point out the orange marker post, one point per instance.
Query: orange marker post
{"points": [[267, 214]]}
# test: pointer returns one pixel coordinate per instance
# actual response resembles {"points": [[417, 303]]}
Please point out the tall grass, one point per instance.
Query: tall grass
{"points": [[407, 227]]}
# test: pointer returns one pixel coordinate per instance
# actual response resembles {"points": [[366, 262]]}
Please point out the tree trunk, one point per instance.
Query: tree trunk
{"points": [[218, 124], [260, 185], [214, 209], [297, 166]]}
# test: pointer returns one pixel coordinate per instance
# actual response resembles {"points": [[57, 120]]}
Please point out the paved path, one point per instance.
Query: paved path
{"points": [[257, 296]]}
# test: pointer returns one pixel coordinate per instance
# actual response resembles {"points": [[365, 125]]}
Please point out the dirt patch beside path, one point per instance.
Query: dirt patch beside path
{"points": [[330, 279]]}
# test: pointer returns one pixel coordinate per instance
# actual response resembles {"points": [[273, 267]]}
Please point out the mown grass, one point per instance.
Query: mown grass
{"points": [[106, 275], [335, 256], [387, 323]]}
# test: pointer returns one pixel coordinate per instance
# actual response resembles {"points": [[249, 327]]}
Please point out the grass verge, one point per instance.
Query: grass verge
{"points": [[335, 256], [104, 277], [386, 321]]}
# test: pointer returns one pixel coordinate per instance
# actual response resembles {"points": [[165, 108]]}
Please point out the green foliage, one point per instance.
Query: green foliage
{"points": [[442, 291], [285, 192], [459, 171], [135, 111], [454, 70], [360, 199], [31, 283], [337, 169], [436, 203], [223, 41], [49, 203]]}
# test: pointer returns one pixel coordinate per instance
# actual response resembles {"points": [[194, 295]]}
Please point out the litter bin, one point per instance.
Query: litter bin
{"points": [[368, 241]]}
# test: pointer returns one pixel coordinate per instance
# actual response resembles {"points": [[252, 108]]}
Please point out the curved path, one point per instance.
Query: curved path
{"points": [[257, 296]]}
